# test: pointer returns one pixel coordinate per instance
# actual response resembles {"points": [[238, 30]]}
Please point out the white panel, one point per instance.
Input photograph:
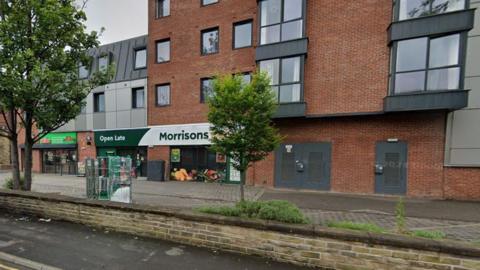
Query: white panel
{"points": [[110, 101], [139, 83], [89, 121], [473, 57], [466, 129], [89, 108], [139, 118], [123, 85], [111, 120], [473, 83], [124, 99], [465, 157], [123, 119], [476, 28]]}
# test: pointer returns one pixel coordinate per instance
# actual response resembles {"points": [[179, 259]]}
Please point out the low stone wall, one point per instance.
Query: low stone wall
{"points": [[303, 244]]}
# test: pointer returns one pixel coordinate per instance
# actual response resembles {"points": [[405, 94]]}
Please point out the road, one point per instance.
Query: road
{"points": [[72, 246]]}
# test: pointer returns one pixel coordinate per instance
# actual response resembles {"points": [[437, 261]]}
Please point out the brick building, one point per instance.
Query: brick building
{"points": [[373, 95]]}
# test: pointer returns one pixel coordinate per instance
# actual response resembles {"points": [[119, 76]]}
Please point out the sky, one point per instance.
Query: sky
{"points": [[122, 19]]}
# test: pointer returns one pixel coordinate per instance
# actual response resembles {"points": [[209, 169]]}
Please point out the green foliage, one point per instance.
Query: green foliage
{"points": [[241, 115], [9, 182], [366, 227], [428, 234], [282, 211], [400, 216]]}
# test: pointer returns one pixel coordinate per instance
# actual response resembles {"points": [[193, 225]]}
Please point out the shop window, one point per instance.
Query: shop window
{"points": [[409, 9], [140, 58], [281, 20], [99, 102], [208, 2], [286, 79], [242, 34], [163, 95], [162, 8], [138, 98], [427, 64], [206, 89], [210, 41], [163, 51], [196, 163]]}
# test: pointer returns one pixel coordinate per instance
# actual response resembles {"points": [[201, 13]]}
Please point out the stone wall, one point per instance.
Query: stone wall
{"points": [[301, 244]]}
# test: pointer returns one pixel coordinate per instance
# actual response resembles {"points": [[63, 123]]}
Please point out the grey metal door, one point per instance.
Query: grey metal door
{"points": [[305, 166], [391, 168]]}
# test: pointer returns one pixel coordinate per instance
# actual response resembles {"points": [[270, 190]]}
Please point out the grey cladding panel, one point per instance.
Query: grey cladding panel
{"points": [[432, 25], [290, 110], [447, 100], [282, 49]]}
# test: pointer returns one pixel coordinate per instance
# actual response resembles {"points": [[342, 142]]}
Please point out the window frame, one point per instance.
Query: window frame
{"points": [[202, 95], [303, 18], [239, 23], [206, 5], [87, 69], [207, 30], [397, 6], [109, 60], [169, 50], [280, 78], [134, 97], [157, 17], [135, 50], [169, 95], [96, 103], [463, 36]]}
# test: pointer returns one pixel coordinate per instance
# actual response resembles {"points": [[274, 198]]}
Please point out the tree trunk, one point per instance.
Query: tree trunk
{"points": [[242, 185], [15, 163], [28, 157]]}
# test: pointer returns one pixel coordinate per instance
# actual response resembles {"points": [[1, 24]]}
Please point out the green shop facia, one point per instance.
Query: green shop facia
{"points": [[190, 158]]}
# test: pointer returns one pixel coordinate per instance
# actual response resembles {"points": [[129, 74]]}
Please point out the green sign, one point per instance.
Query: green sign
{"points": [[120, 137], [60, 138], [175, 155]]}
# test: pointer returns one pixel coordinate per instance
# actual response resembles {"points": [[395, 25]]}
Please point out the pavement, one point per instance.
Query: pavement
{"points": [[71, 246], [458, 220]]}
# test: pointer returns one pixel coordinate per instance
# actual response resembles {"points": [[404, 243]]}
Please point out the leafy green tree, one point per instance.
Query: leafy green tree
{"points": [[42, 45], [241, 117]]}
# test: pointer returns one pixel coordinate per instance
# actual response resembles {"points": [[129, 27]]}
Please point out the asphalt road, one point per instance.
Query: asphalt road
{"points": [[72, 246]]}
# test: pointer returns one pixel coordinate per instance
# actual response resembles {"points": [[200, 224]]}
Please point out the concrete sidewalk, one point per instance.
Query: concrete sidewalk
{"points": [[458, 220]]}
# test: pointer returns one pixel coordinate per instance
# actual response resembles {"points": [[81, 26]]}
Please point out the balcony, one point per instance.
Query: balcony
{"points": [[430, 100]]}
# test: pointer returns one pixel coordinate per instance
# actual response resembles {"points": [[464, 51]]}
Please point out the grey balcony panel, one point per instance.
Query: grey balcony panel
{"points": [[282, 49], [445, 100], [291, 110]]}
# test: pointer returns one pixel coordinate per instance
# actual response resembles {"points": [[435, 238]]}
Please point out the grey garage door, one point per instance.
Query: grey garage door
{"points": [[391, 168], [304, 166]]}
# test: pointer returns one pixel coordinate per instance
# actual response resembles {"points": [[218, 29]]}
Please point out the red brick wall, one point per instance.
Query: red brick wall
{"points": [[462, 183], [84, 149], [353, 149], [160, 153], [187, 66], [347, 65]]}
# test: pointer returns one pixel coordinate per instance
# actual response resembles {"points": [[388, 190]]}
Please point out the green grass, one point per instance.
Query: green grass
{"points": [[9, 182], [366, 227], [436, 235], [282, 211]]}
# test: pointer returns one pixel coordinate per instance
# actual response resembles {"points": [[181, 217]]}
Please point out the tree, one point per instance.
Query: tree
{"points": [[241, 117], [42, 45]]}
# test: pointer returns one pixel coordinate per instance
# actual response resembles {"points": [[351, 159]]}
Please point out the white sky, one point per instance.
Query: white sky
{"points": [[122, 19]]}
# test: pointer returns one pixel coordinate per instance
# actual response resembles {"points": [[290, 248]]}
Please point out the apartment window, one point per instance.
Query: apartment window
{"points": [[138, 98], [83, 72], [208, 2], [163, 94], [141, 58], [427, 64], [409, 9], [247, 78], [242, 34], [163, 51], [210, 41], [281, 20], [99, 102], [103, 62], [285, 77], [162, 8], [206, 89]]}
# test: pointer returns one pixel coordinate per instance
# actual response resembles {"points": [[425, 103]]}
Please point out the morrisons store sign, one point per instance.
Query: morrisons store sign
{"points": [[194, 134]]}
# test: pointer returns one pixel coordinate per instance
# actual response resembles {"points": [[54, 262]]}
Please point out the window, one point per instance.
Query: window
{"points": [[163, 94], [210, 41], [163, 51], [247, 78], [410, 9], [138, 98], [281, 20], [242, 34], [206, 89], [208, 2], [427, 64], [140, 58], [162, 8], [103, 62], [285, 78], [83, 72], [99, 102]]}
